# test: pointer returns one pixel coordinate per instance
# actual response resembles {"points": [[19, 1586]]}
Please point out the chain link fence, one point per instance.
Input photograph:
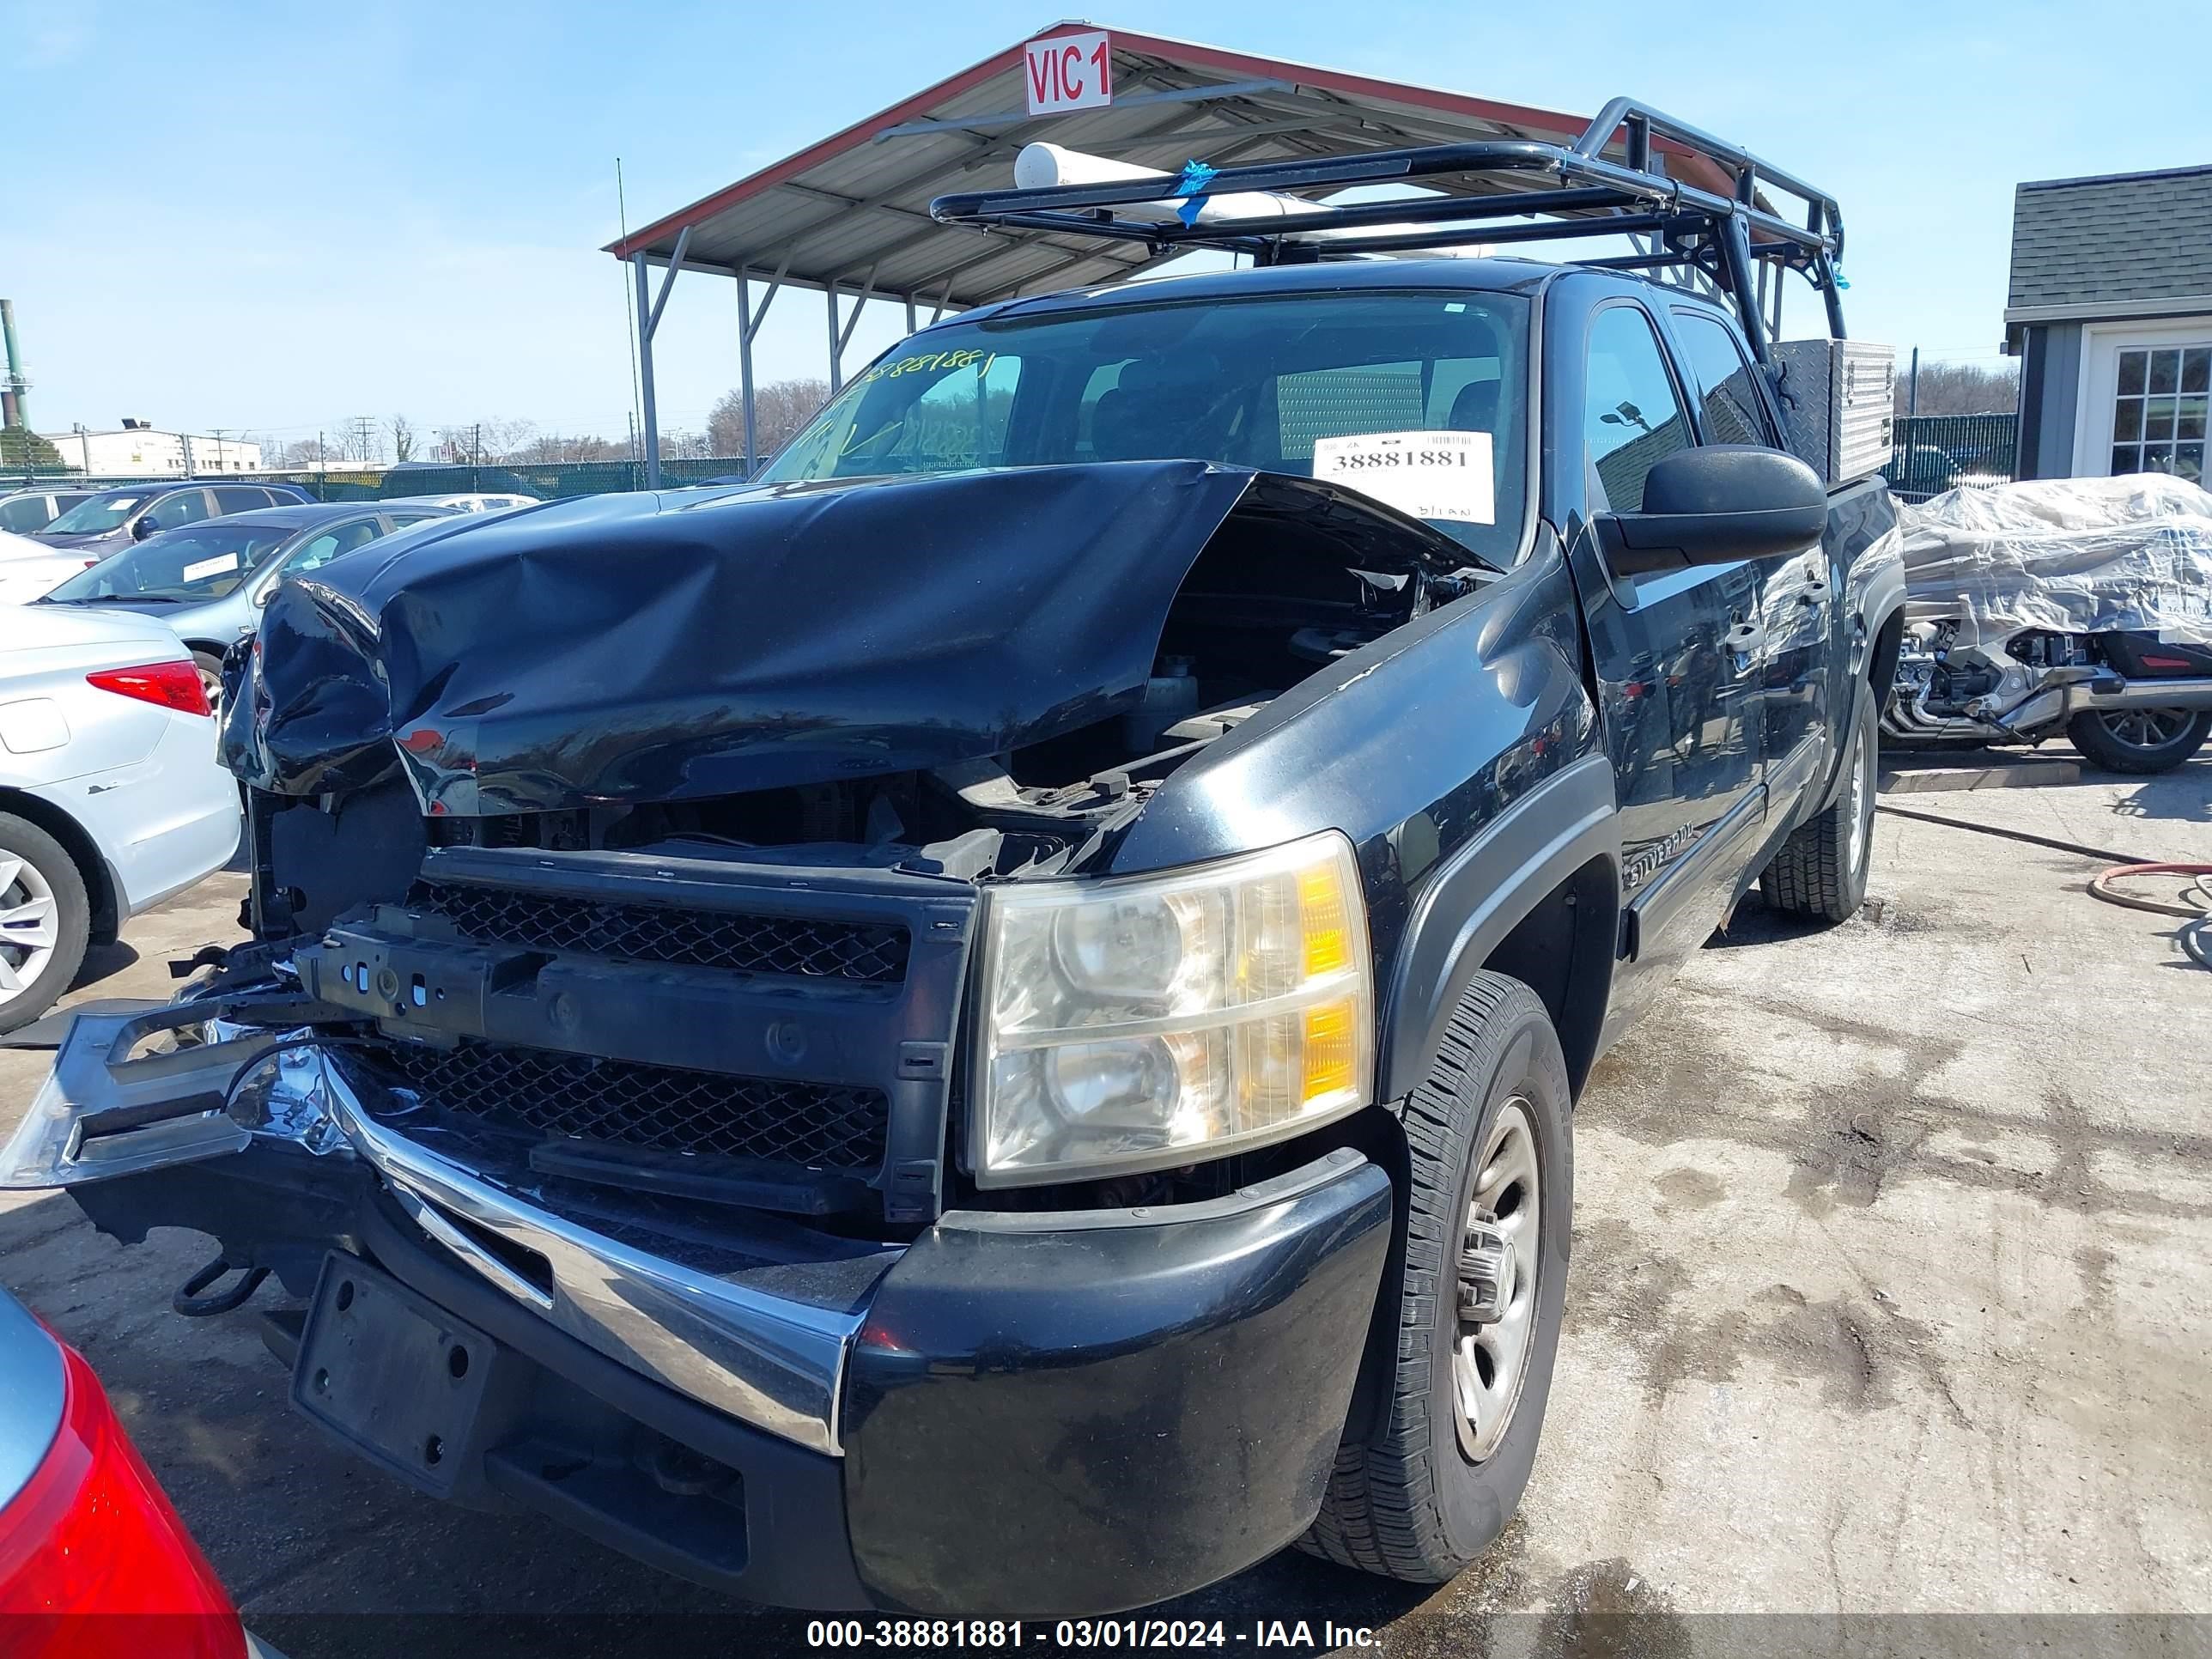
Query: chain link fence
{"points": [[552, 481], [1931, 453]]}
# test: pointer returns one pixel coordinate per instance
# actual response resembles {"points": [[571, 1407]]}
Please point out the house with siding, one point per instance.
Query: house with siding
{"points": [[2110, 310]]}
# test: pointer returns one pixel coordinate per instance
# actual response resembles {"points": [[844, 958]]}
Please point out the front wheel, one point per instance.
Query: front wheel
{"points": [[1479, 1300], [1820, 872], [2139, 739]]}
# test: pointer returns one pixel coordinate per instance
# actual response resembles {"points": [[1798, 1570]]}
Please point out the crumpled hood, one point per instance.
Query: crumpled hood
{"points": [[663, 647]]}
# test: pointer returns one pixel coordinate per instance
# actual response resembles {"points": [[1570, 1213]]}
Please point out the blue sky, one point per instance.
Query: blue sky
{"points": [[271, 217]]}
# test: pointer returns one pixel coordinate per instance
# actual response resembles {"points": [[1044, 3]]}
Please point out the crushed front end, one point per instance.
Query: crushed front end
{"points": [[595, 1083]]}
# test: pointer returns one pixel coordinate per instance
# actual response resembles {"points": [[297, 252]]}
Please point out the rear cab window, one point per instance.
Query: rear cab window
{"points": [[1731, 410]]}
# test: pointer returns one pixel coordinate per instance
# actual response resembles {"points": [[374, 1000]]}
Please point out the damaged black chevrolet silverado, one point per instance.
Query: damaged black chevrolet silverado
{"points": [[989, 1025]]}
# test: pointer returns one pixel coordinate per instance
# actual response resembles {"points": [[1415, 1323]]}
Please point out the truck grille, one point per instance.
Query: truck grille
{"points": [[660, 1107], [803, 947]]}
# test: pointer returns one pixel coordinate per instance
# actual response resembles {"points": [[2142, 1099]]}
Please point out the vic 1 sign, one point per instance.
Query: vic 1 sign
{"points": [[1069, 71]]}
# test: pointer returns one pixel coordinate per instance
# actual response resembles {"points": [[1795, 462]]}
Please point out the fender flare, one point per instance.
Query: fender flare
{"points": [[1871, 683], [1480, 895]]}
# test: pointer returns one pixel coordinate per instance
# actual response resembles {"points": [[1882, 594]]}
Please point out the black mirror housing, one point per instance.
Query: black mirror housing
{"points": [[1715, 504], [140, 528]]}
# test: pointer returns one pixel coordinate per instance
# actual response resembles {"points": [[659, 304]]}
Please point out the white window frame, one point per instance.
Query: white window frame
{"points": [[2101, 345]]}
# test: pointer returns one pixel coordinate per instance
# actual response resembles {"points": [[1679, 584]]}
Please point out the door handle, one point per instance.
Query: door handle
{"points": [[1744, 638]]}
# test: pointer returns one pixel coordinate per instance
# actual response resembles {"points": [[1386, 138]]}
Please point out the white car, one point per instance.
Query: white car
{"points": [[29, 569], [111, 797], [464, 503]]}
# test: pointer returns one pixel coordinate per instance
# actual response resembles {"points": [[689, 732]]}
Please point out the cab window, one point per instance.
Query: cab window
{"points": [[1632, 419], [1728, 400]]}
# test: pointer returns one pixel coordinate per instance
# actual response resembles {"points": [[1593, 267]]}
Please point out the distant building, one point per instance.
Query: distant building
{"points": [[136, 451], [2110, 310]]}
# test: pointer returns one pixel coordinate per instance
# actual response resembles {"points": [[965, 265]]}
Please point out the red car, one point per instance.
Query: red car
{"points": [[93, 1560]]}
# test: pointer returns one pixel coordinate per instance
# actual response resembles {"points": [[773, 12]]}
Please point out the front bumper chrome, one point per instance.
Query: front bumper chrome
{"points": [[695, 1325]]}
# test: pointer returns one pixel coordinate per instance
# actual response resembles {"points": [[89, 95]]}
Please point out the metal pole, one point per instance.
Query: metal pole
{"points": [[909, 313], [745, 365], [836, 346], [20, 413], [1913, 395], [644, 376]]}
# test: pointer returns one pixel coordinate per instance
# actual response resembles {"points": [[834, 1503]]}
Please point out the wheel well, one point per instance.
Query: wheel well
{"points": [[1881, 661], [213, 650], [98, 885], [1563, 951]]}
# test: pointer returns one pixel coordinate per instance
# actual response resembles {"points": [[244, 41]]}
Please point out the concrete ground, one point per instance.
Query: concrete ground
{"points": [[1890, 1296]]}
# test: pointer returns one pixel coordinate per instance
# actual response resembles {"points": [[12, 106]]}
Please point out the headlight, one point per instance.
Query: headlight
{"points": [[1140, 1024]]}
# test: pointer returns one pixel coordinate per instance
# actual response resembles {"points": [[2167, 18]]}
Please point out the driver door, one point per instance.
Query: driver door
{"points": [[1676, 657]]}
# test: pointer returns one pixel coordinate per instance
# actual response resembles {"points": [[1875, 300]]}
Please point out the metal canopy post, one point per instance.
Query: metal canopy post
{"points": [[749, 325], [651, 434], [648, 320], [745, 362], [841, 336]]}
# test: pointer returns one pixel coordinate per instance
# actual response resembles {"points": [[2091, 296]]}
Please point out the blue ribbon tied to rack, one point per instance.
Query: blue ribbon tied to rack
{"points": [[1196, 176]]}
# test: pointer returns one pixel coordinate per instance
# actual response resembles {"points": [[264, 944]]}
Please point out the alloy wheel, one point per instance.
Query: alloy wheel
{"points": [[30, 925], [2144, 728]]}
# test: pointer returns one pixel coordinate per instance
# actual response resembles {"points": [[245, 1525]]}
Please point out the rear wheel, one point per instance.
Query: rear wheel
{"points": [[1820, 872], [1478, 1301], [45, 921], [2139, 739]]}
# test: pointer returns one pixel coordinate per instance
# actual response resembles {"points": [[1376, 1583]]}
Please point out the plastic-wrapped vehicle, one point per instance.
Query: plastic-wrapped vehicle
{"points": [[989, 1024], [2080, 606]]}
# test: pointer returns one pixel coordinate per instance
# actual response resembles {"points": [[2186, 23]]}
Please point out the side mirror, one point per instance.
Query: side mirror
{"points": [[143, 527], [261, 596], [1714, 505]]}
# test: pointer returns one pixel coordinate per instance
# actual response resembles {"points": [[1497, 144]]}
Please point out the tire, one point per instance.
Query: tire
{"points": [[210, 666], [2158, 744], [1820, 872], [38, 872], [1414, 1505]]}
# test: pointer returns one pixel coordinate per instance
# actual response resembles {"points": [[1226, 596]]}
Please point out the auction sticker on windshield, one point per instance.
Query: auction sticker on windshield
{"points": [[214, 567], [1430, 475]]}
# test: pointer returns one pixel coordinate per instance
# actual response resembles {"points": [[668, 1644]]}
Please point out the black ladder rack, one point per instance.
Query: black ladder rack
{"points": [[1732, 238]]}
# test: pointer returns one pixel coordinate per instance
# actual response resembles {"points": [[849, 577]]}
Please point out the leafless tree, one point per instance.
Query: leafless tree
{"points": [[1960, 389], [780, 408], [403, 438]]}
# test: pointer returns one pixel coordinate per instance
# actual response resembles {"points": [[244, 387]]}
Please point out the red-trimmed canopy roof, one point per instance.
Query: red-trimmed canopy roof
{"points": [[854, 209]]}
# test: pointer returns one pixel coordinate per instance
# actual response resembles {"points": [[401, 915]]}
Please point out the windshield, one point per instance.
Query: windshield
{"points": [[1254, 383], [204, 562], [102, 512]]}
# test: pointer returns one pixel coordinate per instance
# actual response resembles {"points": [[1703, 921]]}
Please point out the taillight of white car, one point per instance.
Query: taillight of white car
{"points": [[93, 1560], [171, 684]]}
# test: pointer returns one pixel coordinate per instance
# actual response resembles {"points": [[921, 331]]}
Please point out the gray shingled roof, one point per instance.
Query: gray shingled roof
{"points": [[2121, 239]]}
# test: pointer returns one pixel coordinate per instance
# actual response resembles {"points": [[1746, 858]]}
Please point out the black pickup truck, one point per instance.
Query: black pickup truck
{"points": [[989, 1025]]}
